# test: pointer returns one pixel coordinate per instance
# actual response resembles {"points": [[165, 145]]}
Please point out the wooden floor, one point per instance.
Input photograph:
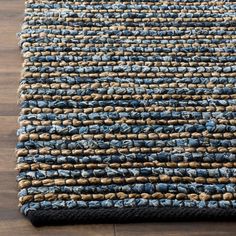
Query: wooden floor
{"points": [[11, 221]]}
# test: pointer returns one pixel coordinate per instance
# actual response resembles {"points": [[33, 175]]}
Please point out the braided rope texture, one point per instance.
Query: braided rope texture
{"points": [[127, 110]]}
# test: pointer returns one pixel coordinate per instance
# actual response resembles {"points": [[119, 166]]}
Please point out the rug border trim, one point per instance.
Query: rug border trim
{"points": [[128, 215]]}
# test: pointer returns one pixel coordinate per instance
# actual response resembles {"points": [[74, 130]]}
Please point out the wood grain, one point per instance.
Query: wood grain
{"points": [[177, 229], [11, 221]]}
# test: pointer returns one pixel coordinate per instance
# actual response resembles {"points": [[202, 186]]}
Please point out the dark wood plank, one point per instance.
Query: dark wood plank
{"points": [[177, 229], [8, 132], [7, 158], [8, 109], [11, 15], [22, 228]]}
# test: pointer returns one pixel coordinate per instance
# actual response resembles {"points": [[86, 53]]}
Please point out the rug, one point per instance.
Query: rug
{"points": [[127, 111]]}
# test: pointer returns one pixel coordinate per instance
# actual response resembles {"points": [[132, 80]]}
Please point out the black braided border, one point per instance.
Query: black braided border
{"points": [[128, 215]]}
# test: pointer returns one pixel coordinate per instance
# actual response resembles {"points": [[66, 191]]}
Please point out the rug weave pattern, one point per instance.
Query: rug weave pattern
{"points": [[127, 104]]}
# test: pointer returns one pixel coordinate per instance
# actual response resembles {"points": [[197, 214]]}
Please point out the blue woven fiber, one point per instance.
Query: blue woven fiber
{"points": [[127, 104]]}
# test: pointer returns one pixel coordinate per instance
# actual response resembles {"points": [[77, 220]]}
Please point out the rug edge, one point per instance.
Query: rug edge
{"points": [[128, 215]]}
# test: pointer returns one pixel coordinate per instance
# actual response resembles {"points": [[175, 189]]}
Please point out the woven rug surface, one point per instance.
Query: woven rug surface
{"points": [[127, 111]]}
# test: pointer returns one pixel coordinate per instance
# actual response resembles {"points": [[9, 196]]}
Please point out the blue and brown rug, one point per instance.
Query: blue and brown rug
{"points": [[127, 111]]}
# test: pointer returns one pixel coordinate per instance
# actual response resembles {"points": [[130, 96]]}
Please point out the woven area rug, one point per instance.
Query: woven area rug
{"points": [[127, 111]]}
